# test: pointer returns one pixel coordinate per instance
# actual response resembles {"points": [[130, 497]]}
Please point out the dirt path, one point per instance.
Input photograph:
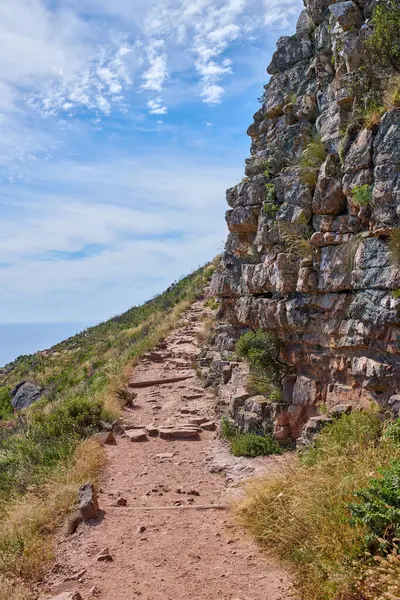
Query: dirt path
{"points": [[170, 554]]}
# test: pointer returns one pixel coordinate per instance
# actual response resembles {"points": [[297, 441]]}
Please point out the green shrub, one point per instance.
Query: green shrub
{"points": [[392, 432], [6, 409], [384, 43], [270, 209], [396, 294], [49, 437], [75, 417], [228, 429], [252, 445], [261, 350], [377, 508], [362, 194], [212, 303]]}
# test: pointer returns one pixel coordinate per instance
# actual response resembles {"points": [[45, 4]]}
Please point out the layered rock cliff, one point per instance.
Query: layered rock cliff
{"points": [[303, 257]]}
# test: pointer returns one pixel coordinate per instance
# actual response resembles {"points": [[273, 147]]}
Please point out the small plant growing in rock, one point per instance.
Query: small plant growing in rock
{"points": [[392, 95], [270, 192], [261, 349], [267, 170], [270, 207], [311, 160], [372, 113], [212, 303], [297, 240], [362, 194], [396, 294], [228, 429]]}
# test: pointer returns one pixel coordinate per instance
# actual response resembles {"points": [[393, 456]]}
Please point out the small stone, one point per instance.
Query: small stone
{"points": [[136, 435], [165, 455], [88, 503], [76, 576], [198, 420], [105, 556], [106, 426], [105, 438], [95, 591], [152, 430], [122, 502], [141, 529], [209, 426], [68, 596]]}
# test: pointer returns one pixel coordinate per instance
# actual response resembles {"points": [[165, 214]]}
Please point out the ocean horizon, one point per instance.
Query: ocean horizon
{"points": [[17, 339]]}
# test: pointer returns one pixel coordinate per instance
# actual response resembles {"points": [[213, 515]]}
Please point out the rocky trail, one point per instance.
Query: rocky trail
{"points": [[166, 531]]}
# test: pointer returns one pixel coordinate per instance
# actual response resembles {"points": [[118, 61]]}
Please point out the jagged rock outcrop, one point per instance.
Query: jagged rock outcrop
{"points": [[302, 257]]}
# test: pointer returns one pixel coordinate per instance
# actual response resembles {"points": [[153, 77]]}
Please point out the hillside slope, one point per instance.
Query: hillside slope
{"points": [[45, 453]]}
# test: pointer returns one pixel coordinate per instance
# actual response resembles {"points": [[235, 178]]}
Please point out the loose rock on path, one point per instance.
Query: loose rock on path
{"points": [[169, 538]]}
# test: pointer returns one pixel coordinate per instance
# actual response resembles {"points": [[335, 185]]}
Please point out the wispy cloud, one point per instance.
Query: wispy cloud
{"points": [[172, 222], [103, 203]]}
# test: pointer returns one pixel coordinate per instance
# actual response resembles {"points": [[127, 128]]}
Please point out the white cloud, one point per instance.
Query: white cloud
{"points": [[212, 94], [156, 107], [164, 218], [155, 76]]}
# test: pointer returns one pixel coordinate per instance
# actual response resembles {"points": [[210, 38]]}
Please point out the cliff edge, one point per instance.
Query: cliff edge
{"points": [[313, 244]]}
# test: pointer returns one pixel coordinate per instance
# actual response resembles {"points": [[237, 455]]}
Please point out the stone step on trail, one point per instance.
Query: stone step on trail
{"points": [[179, 433], [161, 381]]}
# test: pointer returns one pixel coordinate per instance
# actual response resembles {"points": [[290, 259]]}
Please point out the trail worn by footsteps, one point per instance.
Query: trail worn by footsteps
{"points": [[165, 553]]}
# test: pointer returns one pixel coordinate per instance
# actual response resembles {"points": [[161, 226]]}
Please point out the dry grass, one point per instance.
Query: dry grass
{"points": [[392, 94], [29, 523], [207, 327], [302, 515], [383, 579]]}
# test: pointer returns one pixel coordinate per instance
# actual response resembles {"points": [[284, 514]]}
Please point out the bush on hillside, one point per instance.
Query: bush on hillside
{"points": [[6, 409], [252, 445], [377, 508], [304, 514], [384, 41], [48, 437]]}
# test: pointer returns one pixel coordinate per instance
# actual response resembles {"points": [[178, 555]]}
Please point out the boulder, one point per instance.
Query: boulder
{"points": [[25, 394]]}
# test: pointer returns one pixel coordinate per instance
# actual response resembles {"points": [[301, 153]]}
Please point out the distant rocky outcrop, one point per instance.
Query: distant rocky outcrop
{"points": [[303, 258], [25, 394]]}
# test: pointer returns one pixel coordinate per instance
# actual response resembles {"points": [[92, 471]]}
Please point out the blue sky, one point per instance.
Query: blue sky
{"points": [[121, 125]]}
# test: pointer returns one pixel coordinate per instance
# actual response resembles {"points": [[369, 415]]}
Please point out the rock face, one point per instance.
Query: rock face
{"points": [[25, 394], [302, 258]]}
